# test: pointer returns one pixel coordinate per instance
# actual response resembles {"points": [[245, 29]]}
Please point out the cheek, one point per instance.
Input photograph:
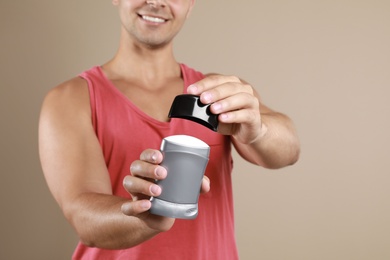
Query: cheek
{"points": [[129, 4], [180, 8], [128, 7]]}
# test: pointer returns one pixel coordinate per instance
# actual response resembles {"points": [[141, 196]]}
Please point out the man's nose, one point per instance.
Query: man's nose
{"points": [[156, 3]]}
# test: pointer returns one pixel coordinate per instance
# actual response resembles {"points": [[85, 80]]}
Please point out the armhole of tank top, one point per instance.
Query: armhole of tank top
{"points": [[91, 92], [183, 70], [190, 76]]}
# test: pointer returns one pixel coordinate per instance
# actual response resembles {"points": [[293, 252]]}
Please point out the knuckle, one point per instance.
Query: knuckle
{"points": [[127, 208], [256, 103], [253, 116], [144, 155], [142, 169], [214, 76], [134, 167], [249, 89], [128, 182], [251, 100], [232, 78], [135, 185], [150, 155], [246, 88], [216, 93]]}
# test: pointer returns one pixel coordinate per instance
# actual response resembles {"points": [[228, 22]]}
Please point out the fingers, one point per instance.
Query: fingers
{"points": [[147, 166], [226, 94], [235, 102], [143, 173], [137, 186], [238, 102], [151, 156], [230, 98], [141, 183], [210, 82], [144, 169], [218, 87], [135, 207], [140, 206]]}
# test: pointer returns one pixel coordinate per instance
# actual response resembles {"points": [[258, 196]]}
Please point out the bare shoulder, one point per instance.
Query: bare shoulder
{"points": [[70, 97], [71, 91], [65, 111]]}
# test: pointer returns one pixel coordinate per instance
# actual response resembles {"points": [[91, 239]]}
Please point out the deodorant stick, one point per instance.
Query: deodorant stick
{"points": [[185, 158]]}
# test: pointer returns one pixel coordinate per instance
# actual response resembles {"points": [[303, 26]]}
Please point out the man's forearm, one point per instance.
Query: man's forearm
{"points": [[99, 222], [277, 147]]}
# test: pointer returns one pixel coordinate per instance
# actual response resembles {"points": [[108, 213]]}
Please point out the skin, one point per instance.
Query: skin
{"points": [[71, 156]]}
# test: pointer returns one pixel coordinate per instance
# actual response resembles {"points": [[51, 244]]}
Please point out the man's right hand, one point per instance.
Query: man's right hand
{"points": [[141, 186]]}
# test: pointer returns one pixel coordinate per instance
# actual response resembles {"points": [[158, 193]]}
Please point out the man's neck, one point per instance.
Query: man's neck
{"points": [[144, 64]]}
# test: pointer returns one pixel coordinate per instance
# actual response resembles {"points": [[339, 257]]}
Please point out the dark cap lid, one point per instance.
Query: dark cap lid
{"points": [[187, 106]]}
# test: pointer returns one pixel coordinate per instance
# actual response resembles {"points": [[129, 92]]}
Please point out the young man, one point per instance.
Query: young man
{"points": [[94, 127]]}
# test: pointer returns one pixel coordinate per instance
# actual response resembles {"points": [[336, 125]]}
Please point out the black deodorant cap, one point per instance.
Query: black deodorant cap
{"points": [[187, 106]]}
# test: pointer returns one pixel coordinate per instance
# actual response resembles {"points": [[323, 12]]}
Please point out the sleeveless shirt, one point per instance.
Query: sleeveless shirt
{"points": [[124, 131]]}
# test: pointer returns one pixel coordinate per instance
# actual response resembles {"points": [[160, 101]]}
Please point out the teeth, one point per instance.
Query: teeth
{"points": [[153, 19]]}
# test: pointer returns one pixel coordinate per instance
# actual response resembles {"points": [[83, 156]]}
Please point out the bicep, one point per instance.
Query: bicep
{"points": [[71, 157]]}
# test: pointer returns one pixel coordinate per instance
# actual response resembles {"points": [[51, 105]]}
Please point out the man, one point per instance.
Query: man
{"points": [[94, 127]]}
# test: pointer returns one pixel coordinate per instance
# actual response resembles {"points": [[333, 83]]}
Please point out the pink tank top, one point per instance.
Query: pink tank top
{"points": [[124, 131]]}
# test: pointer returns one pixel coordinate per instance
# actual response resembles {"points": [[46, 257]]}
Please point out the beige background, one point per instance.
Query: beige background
{"points": [[324, 63]]}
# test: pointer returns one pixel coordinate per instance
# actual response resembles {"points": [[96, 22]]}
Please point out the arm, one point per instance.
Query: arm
{"points": [[260, 135], [77, 176], [277, 145]]}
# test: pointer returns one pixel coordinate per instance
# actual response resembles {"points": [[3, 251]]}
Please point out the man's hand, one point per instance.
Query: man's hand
{"points": [[141, 186], [235, 102], [260, 135]]}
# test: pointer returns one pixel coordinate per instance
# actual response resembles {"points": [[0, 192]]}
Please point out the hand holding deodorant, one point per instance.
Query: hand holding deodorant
{"points": [[185, 158]]}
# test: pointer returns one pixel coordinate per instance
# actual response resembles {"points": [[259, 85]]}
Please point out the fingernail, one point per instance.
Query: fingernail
{"points": [[192, 89], [154, 157], [145, 204], [160, 172], [155, 189]]}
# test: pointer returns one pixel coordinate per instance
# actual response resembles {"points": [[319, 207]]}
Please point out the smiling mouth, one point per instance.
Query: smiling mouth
{"points": [[152, 19]]}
